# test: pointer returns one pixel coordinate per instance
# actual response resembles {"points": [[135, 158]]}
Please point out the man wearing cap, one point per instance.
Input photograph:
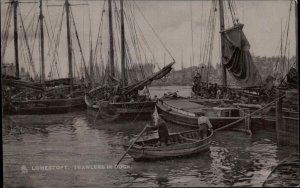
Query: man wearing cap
{"points": [[163, 132], [204, 125]]}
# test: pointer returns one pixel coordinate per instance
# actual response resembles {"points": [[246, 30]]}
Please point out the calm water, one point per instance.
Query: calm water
{"points": [[72, 143]]}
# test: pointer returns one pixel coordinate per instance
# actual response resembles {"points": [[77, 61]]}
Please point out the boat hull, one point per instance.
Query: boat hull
{"points": [[174, 150], [123, 110], [51, 106], [173, 117]]}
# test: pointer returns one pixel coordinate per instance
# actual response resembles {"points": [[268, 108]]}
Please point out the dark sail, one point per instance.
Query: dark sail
{"points": [[141, 84], [237, 58]]}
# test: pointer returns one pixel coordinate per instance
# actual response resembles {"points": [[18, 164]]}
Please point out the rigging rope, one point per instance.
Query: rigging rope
{"points": [[201, 34], [99, 39], [192, 32], [79, 45], [57, 41], [26, 43], [287, 32], [154, 31], [5, 32]]}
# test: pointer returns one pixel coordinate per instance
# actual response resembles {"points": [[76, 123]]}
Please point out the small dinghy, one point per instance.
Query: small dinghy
{"points": [[181, 144]]}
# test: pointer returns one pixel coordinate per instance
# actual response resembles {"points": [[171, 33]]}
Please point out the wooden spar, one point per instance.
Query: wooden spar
{"points": [[91, 68], [42, 43], [164, 59], [182, 68], [92, 74], [111, 40], [296, 28], [281, 57], [222, 27], [297, 66], [67, 6], [123, 46], [16, 43], [145, 128]]}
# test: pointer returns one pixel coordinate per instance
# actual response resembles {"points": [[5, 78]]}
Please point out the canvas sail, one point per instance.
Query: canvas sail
{"points": [[141, 84], [237, 58]]}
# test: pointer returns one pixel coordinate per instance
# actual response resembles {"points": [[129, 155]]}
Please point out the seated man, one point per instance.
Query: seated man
{"points": [[163, 132], [204, 125]]}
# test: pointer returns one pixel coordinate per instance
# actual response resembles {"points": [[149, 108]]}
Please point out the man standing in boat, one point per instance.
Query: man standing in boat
{"points": [[163, 132], [204, 125]]}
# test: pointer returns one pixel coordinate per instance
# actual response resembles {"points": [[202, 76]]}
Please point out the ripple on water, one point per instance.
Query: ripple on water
{"points": [[234, 159]]}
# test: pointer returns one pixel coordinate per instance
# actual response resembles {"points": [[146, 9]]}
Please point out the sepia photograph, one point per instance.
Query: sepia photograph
{"points": [[150, 93]]}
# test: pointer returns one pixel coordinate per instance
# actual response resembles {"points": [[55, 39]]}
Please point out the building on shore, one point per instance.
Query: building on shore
{"points": [[9, 69]]}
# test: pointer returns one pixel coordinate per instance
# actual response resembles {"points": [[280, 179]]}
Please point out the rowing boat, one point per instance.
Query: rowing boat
{"points": [[181, 144]]}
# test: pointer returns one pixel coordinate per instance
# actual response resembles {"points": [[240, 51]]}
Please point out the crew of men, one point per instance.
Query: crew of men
{"points": [[212, 91]]}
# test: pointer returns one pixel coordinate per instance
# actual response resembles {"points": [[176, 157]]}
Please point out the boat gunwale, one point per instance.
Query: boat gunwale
{"points": [[172, 112], [170, 147], [47, 100], [95, 106]]}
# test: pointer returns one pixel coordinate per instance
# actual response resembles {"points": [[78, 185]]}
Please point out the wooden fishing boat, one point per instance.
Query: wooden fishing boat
{"points": [[109, 110], [47, 106], [185, 113], [32, 98], [119, 95], [181, 144], [119, 110], [285, 174], [43, 96]]}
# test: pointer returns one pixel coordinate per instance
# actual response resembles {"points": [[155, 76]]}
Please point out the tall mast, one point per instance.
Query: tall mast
{"points": [[16, 43], [42, 42], [182, 69], [92, 67], [67, 6], [296, 28], [123, 46], [281, 58], [111, 40], [222, 27]]}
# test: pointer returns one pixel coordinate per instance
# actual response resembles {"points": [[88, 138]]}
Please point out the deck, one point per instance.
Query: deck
{"points": [[185, 105]]}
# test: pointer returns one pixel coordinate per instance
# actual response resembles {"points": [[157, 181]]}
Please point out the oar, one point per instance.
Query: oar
{"points": [[97, 114], [133, 144]]}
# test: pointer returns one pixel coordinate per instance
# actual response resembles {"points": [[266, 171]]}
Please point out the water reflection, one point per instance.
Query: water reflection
{"points": [[234, 158]]}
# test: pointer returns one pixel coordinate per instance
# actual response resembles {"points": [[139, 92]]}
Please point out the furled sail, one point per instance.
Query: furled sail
{"points": [[56, 82], [237, 58], [141, 84], [14, 82]]}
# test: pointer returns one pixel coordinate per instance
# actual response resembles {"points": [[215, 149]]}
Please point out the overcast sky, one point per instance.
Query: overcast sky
{"points": [[171, 20]]}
